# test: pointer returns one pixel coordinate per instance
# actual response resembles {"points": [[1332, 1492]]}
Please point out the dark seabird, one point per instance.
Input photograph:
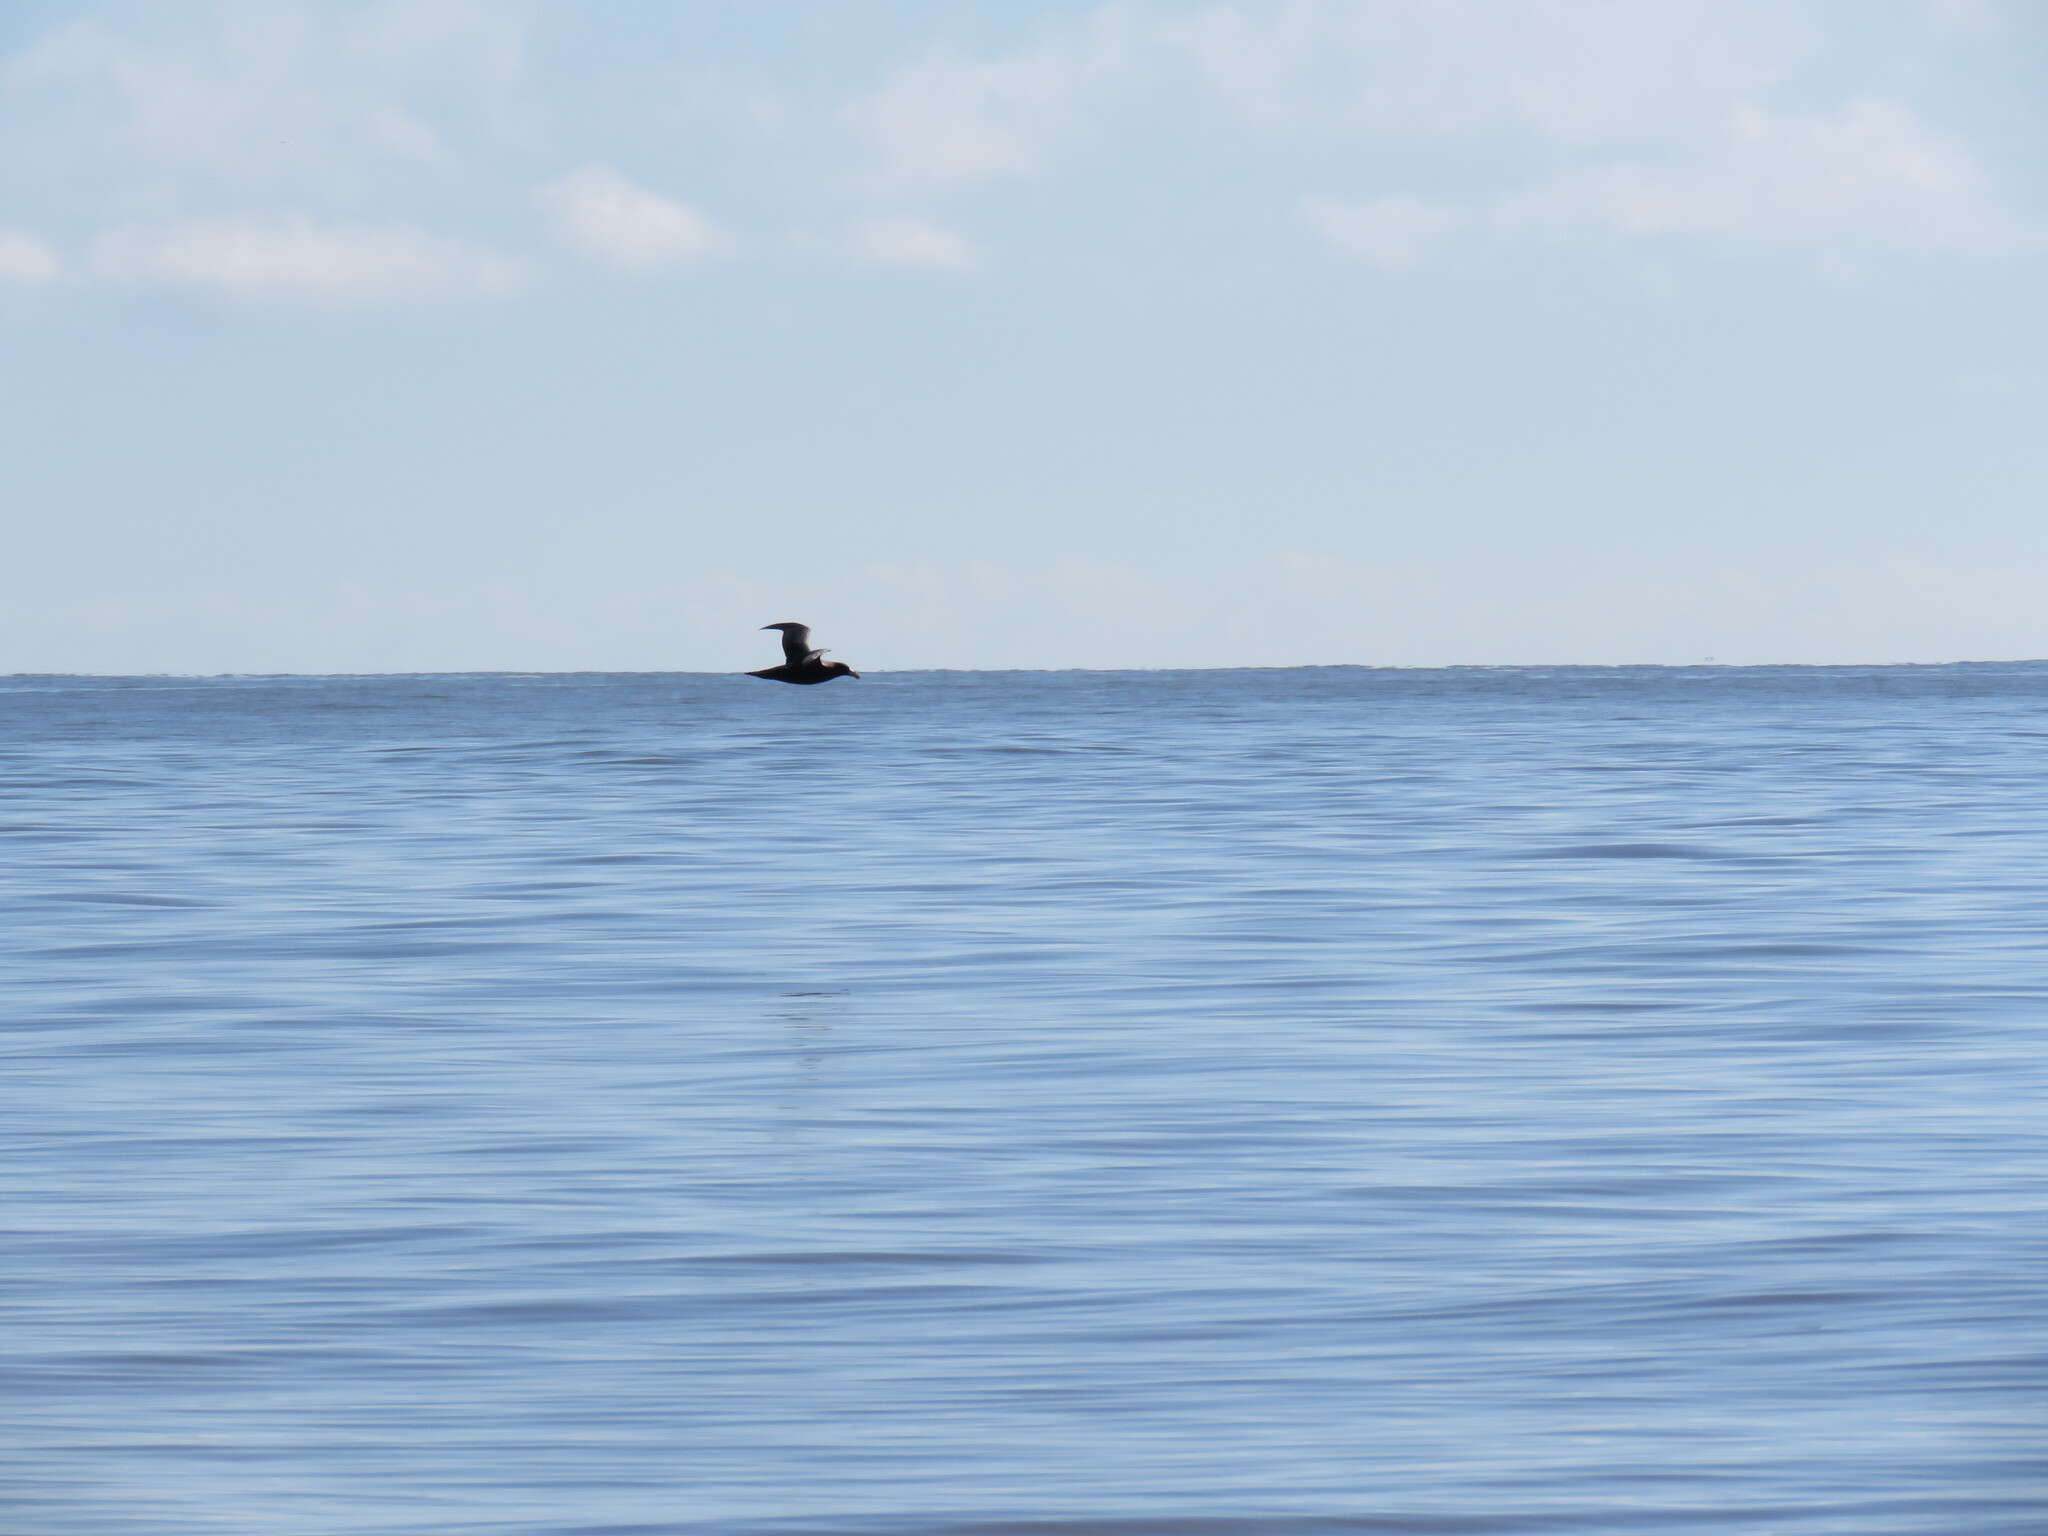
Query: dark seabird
{"points": [[803, 665]]}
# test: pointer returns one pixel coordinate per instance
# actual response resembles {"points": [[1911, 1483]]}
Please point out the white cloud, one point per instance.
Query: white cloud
{"points": [[915, 243], [1392, 233], [1679, 117], [1254, 60], [1700, 119], [615, 221], [1570, 71], [206, 101], [297, 260], [1966, 18], [1869, 170], [950, 118], [408, 136], [1595, 71], [25, 259]]}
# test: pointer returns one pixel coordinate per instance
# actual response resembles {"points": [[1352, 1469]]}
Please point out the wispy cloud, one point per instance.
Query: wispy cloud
{"points": [[948, 117], [951, 118], [218, 97], [355, 149], [297, 260], [1967, 18], [1391, 233], [1627, 117], [1870, 170], [26, 259], [905, 242], [615, 221]]}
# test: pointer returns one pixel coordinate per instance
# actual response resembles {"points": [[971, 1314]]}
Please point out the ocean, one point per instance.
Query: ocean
{"points": [[1230, 1103]]}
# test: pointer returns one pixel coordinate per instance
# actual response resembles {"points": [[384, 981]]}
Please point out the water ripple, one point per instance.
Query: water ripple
{"points": [[1489, 1101]]}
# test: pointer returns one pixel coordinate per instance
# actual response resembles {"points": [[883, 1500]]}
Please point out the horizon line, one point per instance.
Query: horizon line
{"points": [[1328, 666]]}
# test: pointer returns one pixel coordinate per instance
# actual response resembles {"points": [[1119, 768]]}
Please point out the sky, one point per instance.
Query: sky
{"points": [[452, 335]]}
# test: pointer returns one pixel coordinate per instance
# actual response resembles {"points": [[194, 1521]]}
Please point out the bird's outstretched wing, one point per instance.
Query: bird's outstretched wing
{"points": [[796, 644]]}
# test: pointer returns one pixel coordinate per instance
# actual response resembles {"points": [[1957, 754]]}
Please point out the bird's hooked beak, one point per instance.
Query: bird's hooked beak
{"points": [[851, 673]]}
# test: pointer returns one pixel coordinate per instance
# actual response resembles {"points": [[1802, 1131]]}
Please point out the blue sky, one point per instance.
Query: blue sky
{"points": [[475, 334]]}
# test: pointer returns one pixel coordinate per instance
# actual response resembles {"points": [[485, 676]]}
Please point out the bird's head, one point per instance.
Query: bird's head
{"points": [[840, 669], [785, 627]]}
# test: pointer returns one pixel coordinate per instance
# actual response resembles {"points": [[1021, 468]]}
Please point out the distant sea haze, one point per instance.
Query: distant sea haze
{"points": [[1271, 1103]]}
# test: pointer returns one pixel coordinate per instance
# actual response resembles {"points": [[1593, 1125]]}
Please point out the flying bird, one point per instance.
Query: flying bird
{"points": [[801, 664]]}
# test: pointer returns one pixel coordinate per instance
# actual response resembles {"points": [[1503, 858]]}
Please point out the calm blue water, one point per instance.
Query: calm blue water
{"points": [[1268, 1103]]}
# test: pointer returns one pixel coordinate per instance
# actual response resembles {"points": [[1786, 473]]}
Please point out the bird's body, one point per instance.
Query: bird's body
{"points": [[800, 663]]}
